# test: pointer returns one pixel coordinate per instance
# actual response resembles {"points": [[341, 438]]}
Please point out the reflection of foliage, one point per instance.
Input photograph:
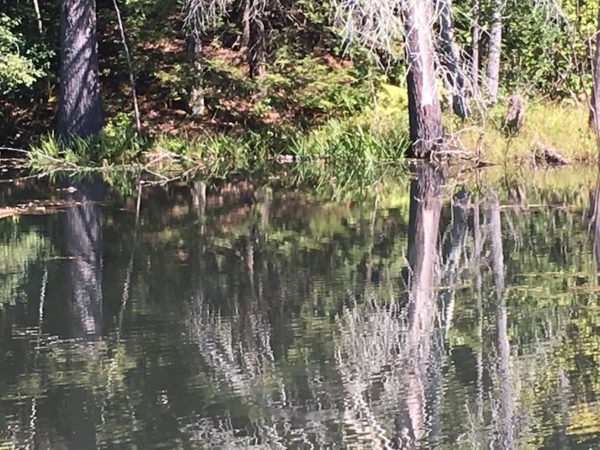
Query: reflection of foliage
{"points": [[267, 317], [18, 251]]}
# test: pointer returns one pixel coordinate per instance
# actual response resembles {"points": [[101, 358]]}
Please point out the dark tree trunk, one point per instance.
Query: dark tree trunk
{"points": [[79, 104], [494, 52], [455, 76], [595, 100], [425, 115], [257, 46], [194, 53]]}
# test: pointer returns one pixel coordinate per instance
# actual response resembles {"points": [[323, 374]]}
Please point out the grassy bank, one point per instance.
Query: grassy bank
{"points": [[561, 126], [337, 149]]}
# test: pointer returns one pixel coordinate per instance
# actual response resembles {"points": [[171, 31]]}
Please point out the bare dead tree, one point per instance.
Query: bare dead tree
{"points": [[38, 16], [199, 15], [451, 60], [383, 24], [475, 37], [494, 51]]}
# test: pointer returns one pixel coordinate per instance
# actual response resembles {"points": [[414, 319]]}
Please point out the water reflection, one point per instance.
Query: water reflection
{"points": [[431, 314], [83, 224]]}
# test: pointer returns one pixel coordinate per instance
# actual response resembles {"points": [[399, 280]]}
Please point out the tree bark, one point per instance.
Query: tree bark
{"points": [[257, 46], [425, 115], [451, 60], [595, 100], [494, 51], [194, 52], [245, 27], [475, 37], [79, 104]]}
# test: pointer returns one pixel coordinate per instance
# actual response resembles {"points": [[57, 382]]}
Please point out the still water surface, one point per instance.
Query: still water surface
{"points": [[425, 313]]}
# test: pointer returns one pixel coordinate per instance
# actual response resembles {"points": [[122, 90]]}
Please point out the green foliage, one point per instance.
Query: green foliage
{"points": [[18, 66], [19, 250], [118, 141], [546, 52]]}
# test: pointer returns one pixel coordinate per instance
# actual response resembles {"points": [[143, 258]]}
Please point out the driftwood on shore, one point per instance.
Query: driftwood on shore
{"points": [[544, 154]]}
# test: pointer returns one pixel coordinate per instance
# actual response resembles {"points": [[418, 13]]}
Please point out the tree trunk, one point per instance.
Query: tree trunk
{"points": [[451, 60], [245, 27], [79, 104], [38, 16], [595, 100], [425, 115], [194, 53], [257, 46], [494, 51], [475, 37]]}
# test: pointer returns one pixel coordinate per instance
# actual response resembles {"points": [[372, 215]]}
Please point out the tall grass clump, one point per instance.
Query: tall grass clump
{"points": [[117, 142]]}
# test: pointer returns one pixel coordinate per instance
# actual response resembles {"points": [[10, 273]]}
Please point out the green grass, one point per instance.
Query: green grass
{"points": [[561, 126]]}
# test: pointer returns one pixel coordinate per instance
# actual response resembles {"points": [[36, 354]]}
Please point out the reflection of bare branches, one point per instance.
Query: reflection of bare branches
{"points": [[371, 343], [399, 348]]}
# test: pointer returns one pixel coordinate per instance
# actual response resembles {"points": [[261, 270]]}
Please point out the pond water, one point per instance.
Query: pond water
{"points": [[433, 312]]}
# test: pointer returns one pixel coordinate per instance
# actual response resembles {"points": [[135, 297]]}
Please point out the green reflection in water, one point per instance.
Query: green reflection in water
{"points": [[425, 313]]}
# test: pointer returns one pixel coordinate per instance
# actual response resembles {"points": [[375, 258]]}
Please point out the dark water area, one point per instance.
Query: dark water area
{"points": [[431, 312]]}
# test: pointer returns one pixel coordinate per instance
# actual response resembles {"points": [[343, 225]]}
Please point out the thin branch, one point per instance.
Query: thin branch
{"points": [[138, 124]]}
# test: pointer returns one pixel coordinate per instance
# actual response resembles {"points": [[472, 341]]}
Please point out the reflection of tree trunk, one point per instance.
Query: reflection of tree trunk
{"points": [[83, 237], [504, 363], [476, 264], [594, 119], [424, 218], [596, 221], [451, 253]]}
